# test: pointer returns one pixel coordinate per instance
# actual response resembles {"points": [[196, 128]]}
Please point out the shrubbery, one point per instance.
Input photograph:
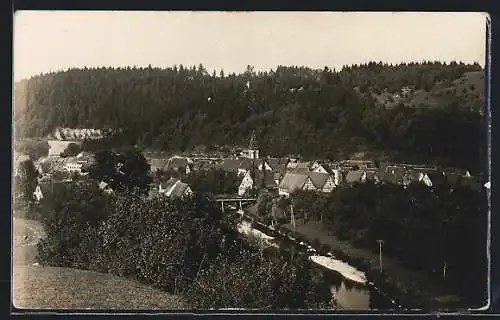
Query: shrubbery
{"points": [[182, 246]]}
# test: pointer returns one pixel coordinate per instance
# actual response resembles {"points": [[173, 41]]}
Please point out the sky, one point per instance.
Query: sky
{"points": [[46, 41]]}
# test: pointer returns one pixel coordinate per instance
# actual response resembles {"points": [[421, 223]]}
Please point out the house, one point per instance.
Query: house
{"points": [[202, 165], [392, 174], [157, 164], [278, 165], [38, 194], [18, 159], [56, 147], [105, 187], [179, 164], [249, 164], [435, 178], [291, 181], [318, 181], [73, 166], [413, 176], [301, 180], [321, 168], [356, 176], [256, 179], [174, 188], [303, 165]]}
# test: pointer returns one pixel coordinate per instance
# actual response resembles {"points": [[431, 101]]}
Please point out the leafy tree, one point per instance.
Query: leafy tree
{"points": [[124, 170], [26, 181], [71, 150]]}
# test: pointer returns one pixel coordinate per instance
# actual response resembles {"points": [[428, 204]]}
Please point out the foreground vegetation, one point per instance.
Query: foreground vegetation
{"points": [[294, 110], [184, 247]]}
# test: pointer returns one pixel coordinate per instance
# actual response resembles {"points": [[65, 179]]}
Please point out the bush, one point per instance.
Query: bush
{"points": [[181, 246]]}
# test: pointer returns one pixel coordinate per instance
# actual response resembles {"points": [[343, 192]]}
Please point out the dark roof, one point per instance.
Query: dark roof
{"points": [[231, 165], [278, 164], [247, 164], [454, 178], [179, 189], [372, 175], [299, 170], [177, 163], [354, 176], [258, 176], [293, 181], [202, 165], [318, 179], [436, 177], [167, 183], [160, 164], [392, 174]]}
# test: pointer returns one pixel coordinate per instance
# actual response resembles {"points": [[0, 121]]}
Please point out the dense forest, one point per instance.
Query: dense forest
{"points": [[294, 110]]}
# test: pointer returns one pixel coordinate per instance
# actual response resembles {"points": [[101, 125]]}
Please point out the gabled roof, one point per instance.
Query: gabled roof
{"points": [[179, 189], [318, 179], [293, 181], [354, 176], [167, 184], [278, 164], [258, 176]]}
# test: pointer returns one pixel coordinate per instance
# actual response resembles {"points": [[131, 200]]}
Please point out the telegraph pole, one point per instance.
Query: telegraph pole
{"points": [[380, 242], [292, 217]]}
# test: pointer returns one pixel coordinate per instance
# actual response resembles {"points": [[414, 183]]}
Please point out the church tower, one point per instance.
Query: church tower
{"points": [[253, 149]]}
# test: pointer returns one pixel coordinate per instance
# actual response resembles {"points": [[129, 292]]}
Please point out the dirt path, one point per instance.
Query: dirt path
{"points": [[64, 288]]}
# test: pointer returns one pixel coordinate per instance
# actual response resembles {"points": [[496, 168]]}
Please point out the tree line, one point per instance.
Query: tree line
{"points": [[294, 110]]}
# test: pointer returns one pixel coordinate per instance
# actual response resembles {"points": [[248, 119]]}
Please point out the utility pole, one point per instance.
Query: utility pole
{"points": [[292, 217], [380, 242]]}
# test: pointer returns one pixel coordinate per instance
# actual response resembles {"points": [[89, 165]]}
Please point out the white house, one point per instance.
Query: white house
{"points": [[73, 166], [38, 193]]}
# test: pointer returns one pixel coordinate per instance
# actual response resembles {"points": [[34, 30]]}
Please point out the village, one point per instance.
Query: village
{"points": [[278, 176]]}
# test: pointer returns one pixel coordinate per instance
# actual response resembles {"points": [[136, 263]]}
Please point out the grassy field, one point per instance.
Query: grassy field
{"points": [[43, 287]]}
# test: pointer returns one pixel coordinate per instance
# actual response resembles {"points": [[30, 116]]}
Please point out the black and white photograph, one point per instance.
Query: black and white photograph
{"points": [[261, 160]]}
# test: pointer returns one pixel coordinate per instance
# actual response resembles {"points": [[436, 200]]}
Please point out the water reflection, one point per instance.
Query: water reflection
{"points": [[346, 294]]}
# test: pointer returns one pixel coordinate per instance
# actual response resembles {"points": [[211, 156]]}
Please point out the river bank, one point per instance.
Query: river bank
{"points": [[416, 290]]}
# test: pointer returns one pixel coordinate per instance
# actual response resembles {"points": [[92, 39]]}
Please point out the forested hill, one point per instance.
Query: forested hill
{"points": [[294, 110]]}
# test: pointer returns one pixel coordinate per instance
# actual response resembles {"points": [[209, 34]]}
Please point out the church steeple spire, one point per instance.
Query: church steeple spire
{"points": [[253, 150], [253, 142]]}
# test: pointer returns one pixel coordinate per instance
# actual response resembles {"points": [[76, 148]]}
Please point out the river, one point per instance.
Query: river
{"points": [[346, 294]]}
